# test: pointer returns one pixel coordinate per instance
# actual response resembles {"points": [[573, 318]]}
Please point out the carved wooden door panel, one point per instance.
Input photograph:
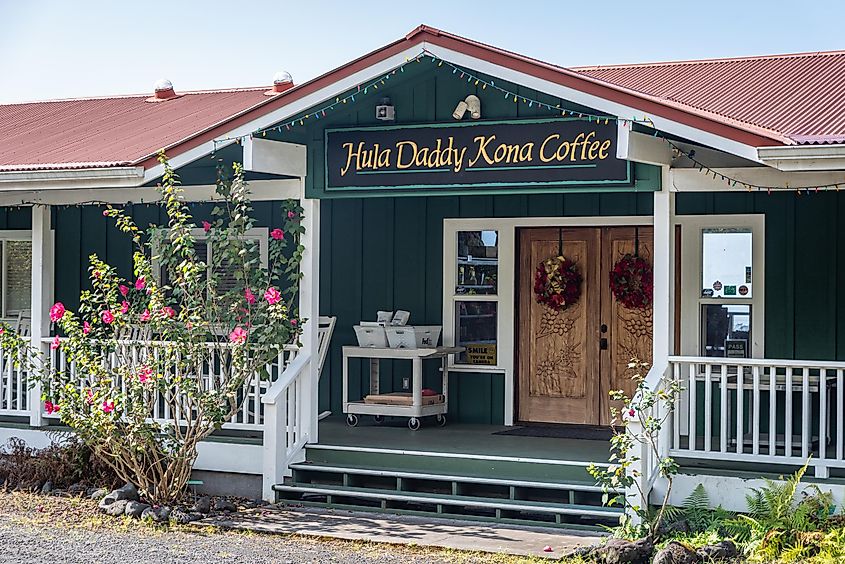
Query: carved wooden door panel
{"points": [[568, 361], [628, 331], [557, 351]]}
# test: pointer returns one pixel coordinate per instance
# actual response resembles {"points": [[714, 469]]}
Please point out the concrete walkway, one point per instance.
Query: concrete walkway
{"points": [[400, 529]]}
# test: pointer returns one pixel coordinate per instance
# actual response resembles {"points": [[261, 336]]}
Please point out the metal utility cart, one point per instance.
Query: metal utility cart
{"points": [[417, 408]]}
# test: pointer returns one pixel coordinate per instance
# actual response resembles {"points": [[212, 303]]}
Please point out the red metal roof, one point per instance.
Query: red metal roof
{"points": [[799, 96], [758, 101], [114, 131]]}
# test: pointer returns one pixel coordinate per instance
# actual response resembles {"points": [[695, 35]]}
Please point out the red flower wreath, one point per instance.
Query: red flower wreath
{"points": [[557, 283], [632, 282]]}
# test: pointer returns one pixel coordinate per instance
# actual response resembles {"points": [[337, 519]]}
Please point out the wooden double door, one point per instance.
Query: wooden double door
{"points": [[568, 361]]}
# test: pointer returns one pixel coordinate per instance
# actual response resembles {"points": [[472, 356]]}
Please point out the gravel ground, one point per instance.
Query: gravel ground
{"points": [[51, 530]]}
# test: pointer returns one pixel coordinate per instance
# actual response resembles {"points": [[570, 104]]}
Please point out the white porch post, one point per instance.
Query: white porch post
{"points": [[309, 308], [664, 207], [42, 283]]}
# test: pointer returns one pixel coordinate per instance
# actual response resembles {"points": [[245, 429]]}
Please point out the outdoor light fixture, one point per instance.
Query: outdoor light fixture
{"points": [[385, 110], [471, 104]]}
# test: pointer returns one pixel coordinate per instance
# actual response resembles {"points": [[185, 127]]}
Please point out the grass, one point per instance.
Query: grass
{"points": [[29, 510]]}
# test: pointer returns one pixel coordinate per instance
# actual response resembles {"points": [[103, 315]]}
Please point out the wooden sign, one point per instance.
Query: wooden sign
{"points": [[523, 153]]}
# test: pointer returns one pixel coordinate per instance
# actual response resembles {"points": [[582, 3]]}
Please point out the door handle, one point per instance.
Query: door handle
{"points": [[603, 343]]}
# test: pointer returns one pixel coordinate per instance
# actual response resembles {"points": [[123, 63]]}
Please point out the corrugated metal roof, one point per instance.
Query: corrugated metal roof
{"points": [[107, 132], [799, 96]]}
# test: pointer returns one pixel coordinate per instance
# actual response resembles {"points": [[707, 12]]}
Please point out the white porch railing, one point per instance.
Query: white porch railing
{"points": [[250, 416], [758, 410], [288, 412]]}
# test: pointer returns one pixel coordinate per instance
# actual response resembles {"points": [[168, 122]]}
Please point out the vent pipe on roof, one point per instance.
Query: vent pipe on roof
{"points": [[163, 91], [281, 81]]}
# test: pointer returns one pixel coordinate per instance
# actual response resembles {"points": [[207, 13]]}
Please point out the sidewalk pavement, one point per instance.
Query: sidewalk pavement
{"points": [[401, 529]]}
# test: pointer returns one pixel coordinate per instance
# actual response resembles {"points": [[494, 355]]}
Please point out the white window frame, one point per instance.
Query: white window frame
{"points": [[692, 230], [9, 235]]}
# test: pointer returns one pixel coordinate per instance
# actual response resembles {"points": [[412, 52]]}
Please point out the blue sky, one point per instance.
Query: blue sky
{"points": [[56, 49]]}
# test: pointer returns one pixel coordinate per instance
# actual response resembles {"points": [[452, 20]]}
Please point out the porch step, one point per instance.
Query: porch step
{"points": [[450, 485]]}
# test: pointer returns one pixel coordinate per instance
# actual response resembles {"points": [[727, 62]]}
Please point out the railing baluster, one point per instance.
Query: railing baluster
{"points": [[840, 417], [787, 428], [755, 410], [708, 407], [693, 368], [740, 409], [773, 413], [723, 410], [676, 412], [805, 413], [822, 413]]}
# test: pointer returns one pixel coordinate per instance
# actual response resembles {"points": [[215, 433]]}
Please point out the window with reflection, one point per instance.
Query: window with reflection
{"points": [[726, 263], [478, 263], [726, 330], [475, 329]]}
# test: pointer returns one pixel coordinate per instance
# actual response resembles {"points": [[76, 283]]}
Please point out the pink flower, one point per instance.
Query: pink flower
{"points": [[206, 226], [238, 335], [629, 413], [145, 374], [277, 234], [86, 327], [294, 322], [2, 330], [55, 344], [250, 297], [107, 316], [108, 406], [140, 283], [273, 296], [51, 407], [145, 316], [124, 289], [105, 213], [291, 215], [89, 396], [57, 311], [124, 307], [168, 311]]}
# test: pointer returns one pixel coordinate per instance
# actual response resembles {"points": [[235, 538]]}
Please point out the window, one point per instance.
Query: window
{"points": [[722, 286], [225, 274], [476, 296]]}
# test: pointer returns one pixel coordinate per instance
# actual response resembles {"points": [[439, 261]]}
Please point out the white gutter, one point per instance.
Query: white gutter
{"points": [[111, 177], [804, 157]]}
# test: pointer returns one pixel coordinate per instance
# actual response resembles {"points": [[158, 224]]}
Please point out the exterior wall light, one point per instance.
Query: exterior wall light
{"points": [[471, 104]]}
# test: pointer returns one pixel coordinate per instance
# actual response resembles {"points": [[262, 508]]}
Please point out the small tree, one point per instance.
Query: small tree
{"points": [[635, 425], [208, 330]]}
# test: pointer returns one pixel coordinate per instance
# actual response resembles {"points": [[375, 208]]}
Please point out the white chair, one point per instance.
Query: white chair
{"points": [[324, 338]]}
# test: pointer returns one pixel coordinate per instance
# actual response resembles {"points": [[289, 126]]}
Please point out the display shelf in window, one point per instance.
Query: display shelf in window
{"points": [[477, 263], [476, 329]]}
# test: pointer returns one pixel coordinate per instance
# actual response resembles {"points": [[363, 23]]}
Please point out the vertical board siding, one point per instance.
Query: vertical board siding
{"points": [[81, 231], [387, 253], [804, 267]]}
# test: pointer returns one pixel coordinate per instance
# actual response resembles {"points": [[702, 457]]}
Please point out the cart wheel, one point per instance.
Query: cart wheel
{"points": [[379, 418], [413, 423], [441, 420], [352, 420]]}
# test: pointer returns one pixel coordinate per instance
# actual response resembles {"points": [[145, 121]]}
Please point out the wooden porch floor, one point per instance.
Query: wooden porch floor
{"points": [[459, 438]]}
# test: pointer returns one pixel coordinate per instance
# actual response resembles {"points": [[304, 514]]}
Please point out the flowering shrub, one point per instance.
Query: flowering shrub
{"points": [[208, 333]]}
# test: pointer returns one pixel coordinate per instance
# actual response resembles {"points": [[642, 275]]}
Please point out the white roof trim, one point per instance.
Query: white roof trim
{"points": [[804, 157]]}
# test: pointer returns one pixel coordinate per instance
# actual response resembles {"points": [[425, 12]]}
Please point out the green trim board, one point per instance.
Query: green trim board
{"points": [[526, 153]]}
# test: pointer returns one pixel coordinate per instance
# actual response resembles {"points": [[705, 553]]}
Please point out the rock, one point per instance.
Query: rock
{"points": [[203, 505], [127, 492], [183, 517], [724, 550], [158, 514], [676, 553], [135, 508], [76, 489], [621, 551], [681, 526], [47, 487], [116, 508], [98, 493], [225, 505]]}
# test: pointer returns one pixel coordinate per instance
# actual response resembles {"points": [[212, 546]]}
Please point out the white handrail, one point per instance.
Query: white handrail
{"points": [[766, 362], [290, 374]]}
